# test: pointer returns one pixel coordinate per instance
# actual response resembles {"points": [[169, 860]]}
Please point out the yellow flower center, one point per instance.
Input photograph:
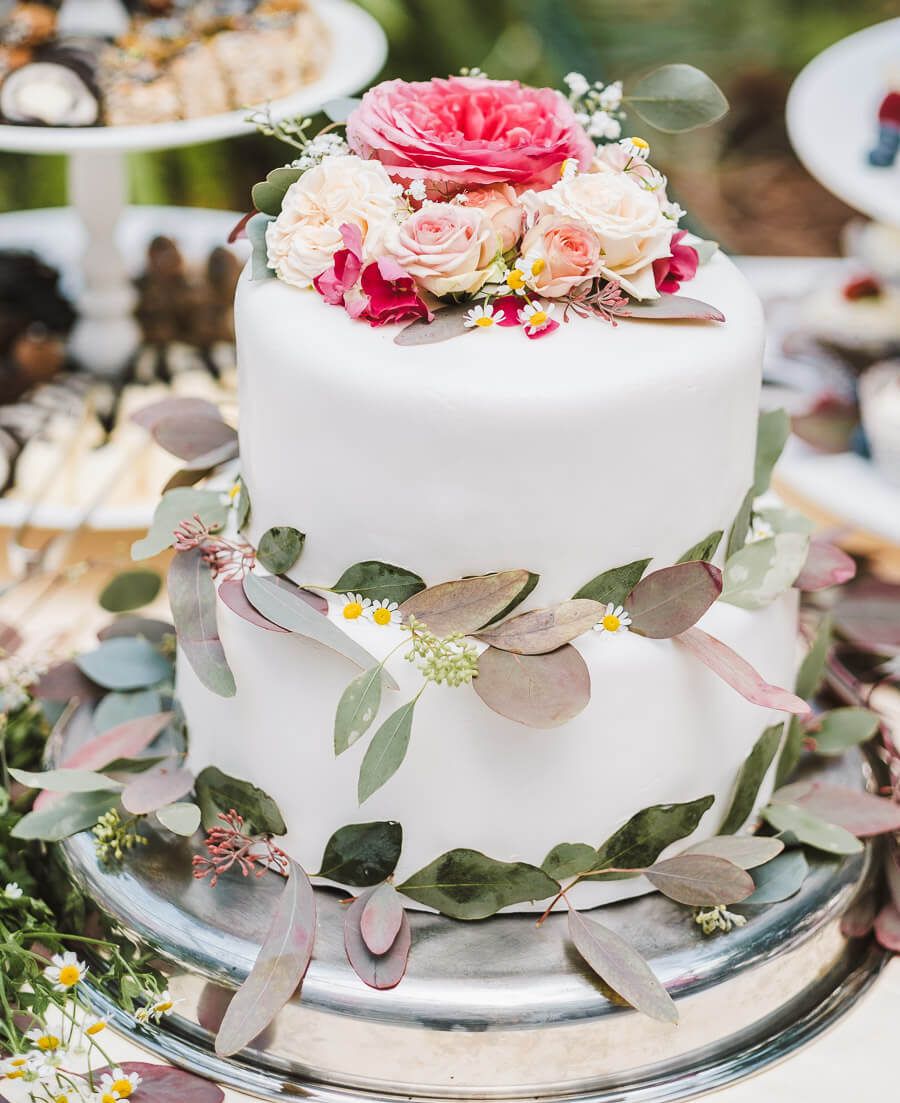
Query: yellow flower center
{"points": [[69, 975], [162, 1008], [352, 610], [122, 1087], [235, 490], [640, 143], [611, 622], [484, 320], [48, 1041], [538, 318], [18, 1062], [62, 1099], [515, 279], [95, 1028], [17, 1075], [107, 1098], [382, 616], [539, 265]]}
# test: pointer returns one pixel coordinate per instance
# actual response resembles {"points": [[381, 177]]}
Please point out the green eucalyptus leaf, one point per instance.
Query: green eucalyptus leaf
{"points": [[124, 663], [357, 709], [841, 729], [448, 322], [269, 194], [118, 708], [750, 779], [66, 816], [772, 433], [64, 780], [540, 691], [705, 549], [533, 580], [341, 107], [740, 529], [812, 669], [639, 842], [764, 569], [544, 630], [862, 814], [362, 854], [568, 860], [218, 792], [676, 98], [386, 751], [746, 851], [379, 581], [706, 250], [466, 884], [668, 602], [242, 506], [791, 751], [467, 604], [176, 506], [810, 829], [779, 879], [181, 818], [259, 258], [280, 548], [130, 590], [192, 595], [614, 585]]}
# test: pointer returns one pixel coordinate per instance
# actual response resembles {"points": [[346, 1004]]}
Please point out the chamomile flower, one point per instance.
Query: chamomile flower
{"points": [[568, 169], [95, 1024], [673, 210], [611, 96], [524, 271], [118, 1085], [65, 971], [12, 891], [417, 190], [44, 1066], [480, 317], [614, 620], [43, 1040], [577, 84], [163, 1005], [355, 605], [386, 612], [15, 1067], [760, 529], [535, 316], [636, 147], [602, 125]]}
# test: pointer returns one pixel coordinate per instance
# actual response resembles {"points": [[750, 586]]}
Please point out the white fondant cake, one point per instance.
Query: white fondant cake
{"points": [[567, 456]]}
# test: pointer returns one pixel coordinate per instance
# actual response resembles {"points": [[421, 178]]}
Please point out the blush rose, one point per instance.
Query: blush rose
{"points": [[500, 202], [569, 254]]}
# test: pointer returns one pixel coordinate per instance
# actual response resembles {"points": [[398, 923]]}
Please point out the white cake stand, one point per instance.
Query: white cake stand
{"points": [[106, 333], [832, 120]]}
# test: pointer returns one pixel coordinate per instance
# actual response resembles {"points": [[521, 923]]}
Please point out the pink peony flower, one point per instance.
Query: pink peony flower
{"points": [[500, 202], [568, 253], [470, 130], [671, 272]]}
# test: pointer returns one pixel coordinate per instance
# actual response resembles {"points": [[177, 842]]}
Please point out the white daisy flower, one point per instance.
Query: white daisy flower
{"points": [[119, 1085], [577, 84], [12, 891], [43, 1040], [163, 1005], [614, 620], [15, 1067], [568, 169], [636, 147], [535, 316], [355, 605], [386, 612], [603, 125], [94, 1024], [65, 971], [417, 190], [44, 1066], [674, 211], [481, 317], [142, 1015], [760, 529], [611, 96]]}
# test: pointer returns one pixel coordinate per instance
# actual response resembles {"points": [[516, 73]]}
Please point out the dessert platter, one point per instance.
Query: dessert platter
{"points": [[477, 756]]}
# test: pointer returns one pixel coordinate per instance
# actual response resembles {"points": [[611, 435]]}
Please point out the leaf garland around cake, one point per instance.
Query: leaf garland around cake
{"points": [[192, 595], [772, 432], [173, 509], [539, 691], [705, 549], [469, 604], [614, 585], [669, 601], [779, 879], [280, 548], [751, 778], [541, 631], [379, 582], [386, 750], [361, 855], [219, 793]]}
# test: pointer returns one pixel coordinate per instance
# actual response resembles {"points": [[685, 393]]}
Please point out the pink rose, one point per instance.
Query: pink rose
{"points": [[449, 249], [614, 157], [500, 202], [567, 253], [470, 130], [671, 272]]}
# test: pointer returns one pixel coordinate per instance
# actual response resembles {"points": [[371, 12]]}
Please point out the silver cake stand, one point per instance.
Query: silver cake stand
{"points": [[493, 1010]]}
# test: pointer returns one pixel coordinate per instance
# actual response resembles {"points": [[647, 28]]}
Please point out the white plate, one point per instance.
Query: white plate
{"points": [[832, 119], [358, 50]]}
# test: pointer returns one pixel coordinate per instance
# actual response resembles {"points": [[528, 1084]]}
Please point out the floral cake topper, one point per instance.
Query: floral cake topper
{"points": [[483, 203]]}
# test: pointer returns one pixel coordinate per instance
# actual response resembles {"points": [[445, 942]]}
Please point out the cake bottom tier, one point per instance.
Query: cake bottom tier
{"points": [[660, 728]]}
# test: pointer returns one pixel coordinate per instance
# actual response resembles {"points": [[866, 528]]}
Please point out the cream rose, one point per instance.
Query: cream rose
{"points": [[567, 254], [632, 230], [307, 233], [448, 248], [501, 204]]}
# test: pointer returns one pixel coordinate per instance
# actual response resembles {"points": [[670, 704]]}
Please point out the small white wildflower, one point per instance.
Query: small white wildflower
{"points": [[12, 891], [614, 620], [535, 317], [636, 147], [417, 190], [481, 317], [385, 612], [42, 1040], [95, 1024], [576, 84], [611, 96], [119, 1084], [603, 125], [65, 971], [355, 605], [674, 211], [760, 529]]}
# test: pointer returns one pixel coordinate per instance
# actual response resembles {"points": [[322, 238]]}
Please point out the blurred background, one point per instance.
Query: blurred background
{"points": [[744, 185]]}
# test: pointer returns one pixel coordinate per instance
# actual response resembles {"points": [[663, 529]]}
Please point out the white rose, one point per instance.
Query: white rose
{"points": [[447, 248], [307, 233], [627, 219]]}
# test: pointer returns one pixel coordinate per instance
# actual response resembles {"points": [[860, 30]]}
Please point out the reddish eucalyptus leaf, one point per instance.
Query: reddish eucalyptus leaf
{"points": [[738, 673], [151, 791], [165, 1084], [65, 681], [123, 741], [148, 416], [826, 565], [129, 624], [278, 970], [192, 596], [746, 851], [673, 306], [448, 322], [232, 593], [545, 630], [892, 870], [196, 439], [668, 602], [10, 639], [466, 604], [540, 691], [380, 971], [887, 928], [862, 814], [701, 879], [620, 966], [381, 918], [858, 920]]}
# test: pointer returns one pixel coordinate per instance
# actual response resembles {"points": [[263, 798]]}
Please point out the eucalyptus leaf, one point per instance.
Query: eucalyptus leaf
{"points": [[750, 779], [701, 880], [118, 708], [468, 603], [385, 970], [533, 580], [539, 691], [259, 258], [175, 507], [706, 250], [285, 606], [666, 307], [174, 406], [280, 548], [362, 854], [130, 590], [779, 879], [812, 669], [862, 814], [200, 441], [791, 751], [826, 565], [64, 780], [181, 818], [357, 709], [843, 728], [639, 842], [192, 594], [218, 792], [379, 581], [676, 98], [126, 740], [231, 591], [773, 430], [123, 664], [269, 194], [887, 928], [466, 884], [543, 630], [157, 632], [341, 107], [764, 569], [568, 860], [705, 549], [69, 814], [448, 322], [621, 967], [279, 968], [151, 791], [810, 829], [740, 528], [614, 585], [381, 919], [64, 682], [668, 602], [242, 506], [746, 851], [386, 751]]}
